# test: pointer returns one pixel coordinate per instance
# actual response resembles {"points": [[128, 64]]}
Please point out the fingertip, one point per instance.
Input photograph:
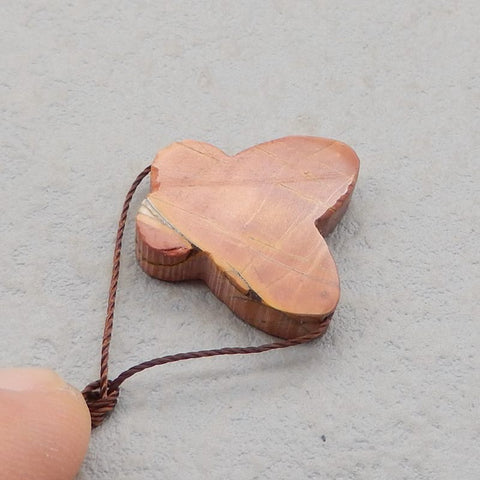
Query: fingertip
{"points": [[44, 426], [25, 379]]}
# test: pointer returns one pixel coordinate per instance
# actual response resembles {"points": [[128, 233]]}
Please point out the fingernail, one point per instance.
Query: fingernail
{"points": [[29, 379]]}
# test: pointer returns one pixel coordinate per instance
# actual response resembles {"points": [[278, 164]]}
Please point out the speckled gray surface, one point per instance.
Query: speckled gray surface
{"points": [[91, 90]]}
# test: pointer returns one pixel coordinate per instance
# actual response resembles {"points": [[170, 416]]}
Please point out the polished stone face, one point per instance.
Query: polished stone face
{"points": [[248, 225]]}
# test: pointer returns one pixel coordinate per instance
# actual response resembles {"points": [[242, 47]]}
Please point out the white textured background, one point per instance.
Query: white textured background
{"points": [[90, 90]]}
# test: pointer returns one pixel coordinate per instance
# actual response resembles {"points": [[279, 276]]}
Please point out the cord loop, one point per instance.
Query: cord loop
{"points": [[101, 396]]}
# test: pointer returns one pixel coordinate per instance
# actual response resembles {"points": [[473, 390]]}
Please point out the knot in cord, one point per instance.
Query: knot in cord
{"points": [[99, 406]]}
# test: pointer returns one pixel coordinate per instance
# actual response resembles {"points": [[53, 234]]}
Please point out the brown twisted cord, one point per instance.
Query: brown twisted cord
{"points": [[101, 396], [107, 333]]}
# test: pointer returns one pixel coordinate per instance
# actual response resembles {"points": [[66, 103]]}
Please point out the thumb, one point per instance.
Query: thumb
{"points": [[44, 426]]}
